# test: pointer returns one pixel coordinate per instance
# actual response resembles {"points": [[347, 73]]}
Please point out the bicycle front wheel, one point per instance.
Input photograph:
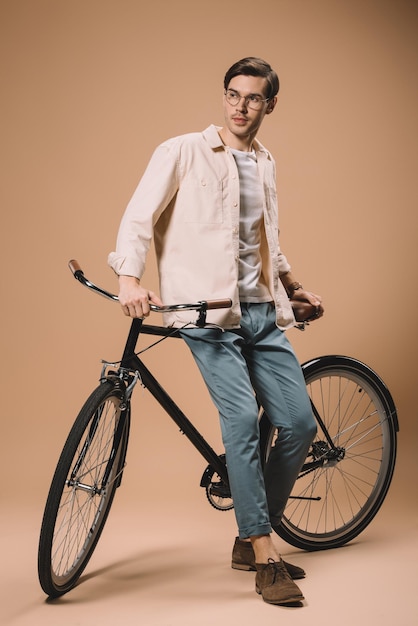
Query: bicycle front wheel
{"points": [[82, 489], [350, 464]]}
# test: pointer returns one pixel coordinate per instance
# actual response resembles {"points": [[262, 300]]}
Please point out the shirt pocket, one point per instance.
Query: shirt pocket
{"points": [[202, 201], [272, 207]]}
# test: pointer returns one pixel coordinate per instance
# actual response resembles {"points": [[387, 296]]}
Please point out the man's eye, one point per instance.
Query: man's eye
{"points": [[255, 99]]}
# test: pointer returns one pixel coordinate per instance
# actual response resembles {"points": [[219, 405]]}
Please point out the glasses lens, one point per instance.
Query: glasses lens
{"points": [[254, 103], [232, 97]]}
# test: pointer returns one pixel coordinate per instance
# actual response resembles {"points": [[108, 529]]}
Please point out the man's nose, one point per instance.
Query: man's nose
{"points": [[243, 103]]}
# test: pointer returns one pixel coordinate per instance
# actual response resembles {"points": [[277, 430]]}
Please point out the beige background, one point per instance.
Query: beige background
{"points": [[89, 88]]}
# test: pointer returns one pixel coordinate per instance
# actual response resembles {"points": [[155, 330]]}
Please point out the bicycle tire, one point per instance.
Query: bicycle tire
{"points": [[78, 501], [333, 503]]}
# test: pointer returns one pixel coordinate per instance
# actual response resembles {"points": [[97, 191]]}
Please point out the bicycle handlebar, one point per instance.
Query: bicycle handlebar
{"points": [[202, 305]]}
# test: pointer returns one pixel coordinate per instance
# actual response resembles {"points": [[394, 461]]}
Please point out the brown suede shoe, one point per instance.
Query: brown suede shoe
{"points": [[273, 582], [243, 558]]}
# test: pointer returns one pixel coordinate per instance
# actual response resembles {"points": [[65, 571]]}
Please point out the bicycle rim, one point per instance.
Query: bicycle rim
{"points": [[82, 490], [333, 503]]}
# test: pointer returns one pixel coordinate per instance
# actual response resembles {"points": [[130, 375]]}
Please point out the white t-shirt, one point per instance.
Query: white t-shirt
{"points": [[252, 288]]}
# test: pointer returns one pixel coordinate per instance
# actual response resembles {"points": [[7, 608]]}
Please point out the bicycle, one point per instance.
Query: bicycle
{"points": [[340, 488]]}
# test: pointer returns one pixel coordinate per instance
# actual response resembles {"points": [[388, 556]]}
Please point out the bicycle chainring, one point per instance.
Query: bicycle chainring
{"points": [[217, 491]]}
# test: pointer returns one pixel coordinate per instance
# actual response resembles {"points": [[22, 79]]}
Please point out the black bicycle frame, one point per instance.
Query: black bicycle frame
{"points": [[132, 362]]}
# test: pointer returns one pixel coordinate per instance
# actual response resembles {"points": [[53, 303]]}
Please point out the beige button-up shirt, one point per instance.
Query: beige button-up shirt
{"points": [[189, 200]]}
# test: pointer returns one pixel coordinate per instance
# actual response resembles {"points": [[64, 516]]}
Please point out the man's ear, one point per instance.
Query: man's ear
{"points": [[271, 105]]}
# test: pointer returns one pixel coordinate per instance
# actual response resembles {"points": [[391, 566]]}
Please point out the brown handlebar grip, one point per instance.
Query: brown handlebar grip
{"points": [[305, 311], [74, 266], [225, 303]]}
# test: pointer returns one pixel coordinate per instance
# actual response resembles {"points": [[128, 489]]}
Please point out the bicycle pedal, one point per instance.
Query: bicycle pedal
{"points": [[220, 490]]}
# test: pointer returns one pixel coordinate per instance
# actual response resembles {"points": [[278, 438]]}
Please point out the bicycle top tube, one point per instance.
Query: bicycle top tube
{"points": [[201, 305]]}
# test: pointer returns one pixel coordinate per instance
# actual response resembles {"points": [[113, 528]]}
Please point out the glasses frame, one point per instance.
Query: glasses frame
{"points": [[246, 99]]}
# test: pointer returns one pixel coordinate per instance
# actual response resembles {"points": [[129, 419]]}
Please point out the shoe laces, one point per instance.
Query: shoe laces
{"points": [[277, 569]]}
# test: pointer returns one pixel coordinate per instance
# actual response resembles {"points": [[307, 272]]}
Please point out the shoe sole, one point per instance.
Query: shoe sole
{"points": [[244, 567], [291, 600]]}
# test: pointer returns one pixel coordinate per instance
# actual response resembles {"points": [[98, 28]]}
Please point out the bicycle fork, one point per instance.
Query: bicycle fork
{"points": [[119, 439]]}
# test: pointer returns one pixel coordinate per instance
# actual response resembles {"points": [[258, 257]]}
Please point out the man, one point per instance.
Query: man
{"points": [[209, 201]]}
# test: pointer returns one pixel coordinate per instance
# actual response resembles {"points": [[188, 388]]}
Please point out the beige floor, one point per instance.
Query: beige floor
{"points": [[168, 564]]}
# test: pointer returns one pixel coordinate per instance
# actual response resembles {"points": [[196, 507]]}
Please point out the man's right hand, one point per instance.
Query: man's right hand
{"points": [[134, 299]]}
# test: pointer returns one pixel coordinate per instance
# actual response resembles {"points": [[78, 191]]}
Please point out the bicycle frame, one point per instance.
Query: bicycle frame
{"points": [[134, 368], [132, 363]]}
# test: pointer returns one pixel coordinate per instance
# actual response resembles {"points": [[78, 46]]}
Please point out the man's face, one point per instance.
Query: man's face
{"points": [[241, 120]]}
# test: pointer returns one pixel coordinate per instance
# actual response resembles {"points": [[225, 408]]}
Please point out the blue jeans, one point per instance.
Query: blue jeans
{"points": [[239, 366]]}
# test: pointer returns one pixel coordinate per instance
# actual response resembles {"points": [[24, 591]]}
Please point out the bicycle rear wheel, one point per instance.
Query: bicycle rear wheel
{"points": [[345, 478], [82, 490]]}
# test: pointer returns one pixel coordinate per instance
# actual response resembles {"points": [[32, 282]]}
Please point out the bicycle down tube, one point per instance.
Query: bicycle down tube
{"points": [[133, 363]]}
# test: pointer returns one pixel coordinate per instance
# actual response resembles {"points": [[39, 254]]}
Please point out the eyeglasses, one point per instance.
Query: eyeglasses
{"points": [[253, 101]]}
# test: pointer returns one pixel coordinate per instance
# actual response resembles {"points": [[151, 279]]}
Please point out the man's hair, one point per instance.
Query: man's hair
{"points": [[253, 66]]}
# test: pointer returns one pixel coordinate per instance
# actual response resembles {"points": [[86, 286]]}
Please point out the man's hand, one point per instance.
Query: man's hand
{"points": [[134, 299], [295, 291], [307, 296]]}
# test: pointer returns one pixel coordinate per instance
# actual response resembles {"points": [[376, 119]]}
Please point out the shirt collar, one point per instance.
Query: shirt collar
{"points": [[214, 140]]}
